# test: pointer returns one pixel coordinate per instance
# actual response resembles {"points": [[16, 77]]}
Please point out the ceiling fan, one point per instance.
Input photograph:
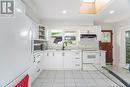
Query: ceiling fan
{"points": [[92, 6]]}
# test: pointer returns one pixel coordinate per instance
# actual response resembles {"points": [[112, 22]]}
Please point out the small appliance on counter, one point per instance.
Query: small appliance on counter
{"points": [[39, 46]]}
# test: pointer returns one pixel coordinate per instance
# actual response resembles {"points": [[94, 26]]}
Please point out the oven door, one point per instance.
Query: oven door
{"points": [[90, 57]]}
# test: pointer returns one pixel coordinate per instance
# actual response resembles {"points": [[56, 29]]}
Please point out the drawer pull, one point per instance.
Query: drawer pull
{"points": [[76, 53], [47, 54], [38, 62], [38, 70], [53, 53], [77, 58], [77, 65]]}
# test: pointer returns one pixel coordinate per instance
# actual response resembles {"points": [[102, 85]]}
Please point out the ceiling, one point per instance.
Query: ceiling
{"points": [[50, 11]]}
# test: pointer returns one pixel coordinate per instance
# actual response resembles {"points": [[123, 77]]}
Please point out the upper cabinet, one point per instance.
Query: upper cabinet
{"points": [[92, 30]]}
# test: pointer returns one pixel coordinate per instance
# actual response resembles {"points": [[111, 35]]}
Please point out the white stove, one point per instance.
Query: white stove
{"points": [[91, 59]]}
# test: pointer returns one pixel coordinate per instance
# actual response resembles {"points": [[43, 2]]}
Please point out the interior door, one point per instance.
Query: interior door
{"points": [[106, 44]]}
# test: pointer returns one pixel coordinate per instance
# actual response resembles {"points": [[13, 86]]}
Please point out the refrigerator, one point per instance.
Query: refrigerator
{"points": [[15, 47]]}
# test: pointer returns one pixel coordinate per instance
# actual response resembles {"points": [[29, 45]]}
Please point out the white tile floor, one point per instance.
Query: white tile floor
{"points": [[121, 72], [73, 79]]}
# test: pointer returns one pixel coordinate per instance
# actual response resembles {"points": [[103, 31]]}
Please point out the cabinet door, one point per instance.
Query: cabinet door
{"points": [[96, 30], [51, 59], [45, 60], [58, 60], [68, 60]]}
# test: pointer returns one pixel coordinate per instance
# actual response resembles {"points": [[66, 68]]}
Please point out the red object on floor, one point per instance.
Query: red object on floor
{"points": [[23, 82]]}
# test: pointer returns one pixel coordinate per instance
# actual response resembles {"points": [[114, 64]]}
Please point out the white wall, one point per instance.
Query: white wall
{"points": [[107, 27], [119, 41], [31, 10]]}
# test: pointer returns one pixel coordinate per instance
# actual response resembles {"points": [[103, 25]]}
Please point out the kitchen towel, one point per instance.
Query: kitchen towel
{"points": [[23, 82]]}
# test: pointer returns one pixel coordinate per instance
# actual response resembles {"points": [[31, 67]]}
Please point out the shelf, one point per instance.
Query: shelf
{"points": [[42, 35], [41, 40]]}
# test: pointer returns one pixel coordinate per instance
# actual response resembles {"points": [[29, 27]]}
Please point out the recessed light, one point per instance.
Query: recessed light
{"points": [[64, 12], [18, 10], [112, 12]]}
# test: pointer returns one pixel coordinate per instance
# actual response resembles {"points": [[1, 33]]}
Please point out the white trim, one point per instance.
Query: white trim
{"points": [[123, 47]]}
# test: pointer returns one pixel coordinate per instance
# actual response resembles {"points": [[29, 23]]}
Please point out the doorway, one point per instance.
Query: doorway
{"points": [[127, 44], [106, 44]]}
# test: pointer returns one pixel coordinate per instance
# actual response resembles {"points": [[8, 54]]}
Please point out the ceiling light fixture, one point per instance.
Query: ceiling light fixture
{"points": [[88, 0], [112, 12], [64, 12], [18, 10]]}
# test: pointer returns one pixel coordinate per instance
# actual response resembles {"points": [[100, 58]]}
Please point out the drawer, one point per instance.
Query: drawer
{"points": [[77, 58], [77, 61], [77, 65], [77, 53]]}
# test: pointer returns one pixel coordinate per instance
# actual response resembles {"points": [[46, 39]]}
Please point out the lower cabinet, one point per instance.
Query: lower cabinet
{"points": [[61, 60], [68, 60], [77, 61], [34, 71], [58, 60]]}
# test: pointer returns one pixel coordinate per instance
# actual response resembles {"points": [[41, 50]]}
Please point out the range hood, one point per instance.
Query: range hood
{"points": [[88, 36]]}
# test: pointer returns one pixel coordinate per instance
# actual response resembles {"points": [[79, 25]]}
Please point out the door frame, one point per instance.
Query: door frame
{"points": [[123, 47], [111, 41]]}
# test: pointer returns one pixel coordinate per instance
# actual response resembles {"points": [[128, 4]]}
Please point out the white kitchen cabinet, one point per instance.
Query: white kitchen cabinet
{"points": [[58, 60], [45, 60], [68, 60], [77, 61], [35, 69], [51, 59], [61, 60]]}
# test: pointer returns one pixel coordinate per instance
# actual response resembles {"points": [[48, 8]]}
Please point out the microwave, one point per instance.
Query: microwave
{"points": [[39, 45]]}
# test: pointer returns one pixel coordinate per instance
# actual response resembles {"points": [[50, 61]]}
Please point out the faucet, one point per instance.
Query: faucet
{"points": [[63, 46]]}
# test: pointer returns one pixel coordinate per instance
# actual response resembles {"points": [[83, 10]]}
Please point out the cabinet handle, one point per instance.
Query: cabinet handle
{"points": [[34, 59], [77, 58], [38, 70], [38, 62], [63, 54], [53, 53], [76, 53], [77, 65], [47, 54]]}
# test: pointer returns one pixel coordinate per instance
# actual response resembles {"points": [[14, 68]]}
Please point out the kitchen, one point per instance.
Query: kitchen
{"points": [[44, 46]]}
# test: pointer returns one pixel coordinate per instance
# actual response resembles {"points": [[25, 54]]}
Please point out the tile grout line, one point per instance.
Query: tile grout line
{"points": [[54, 78]]}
